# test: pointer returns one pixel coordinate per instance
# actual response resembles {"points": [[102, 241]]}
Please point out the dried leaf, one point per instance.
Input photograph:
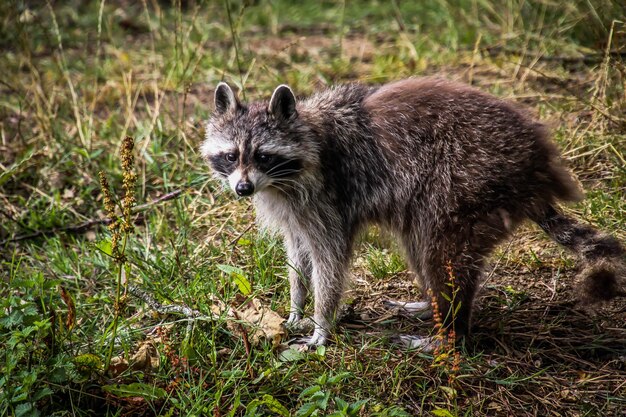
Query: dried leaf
{"points": [[146, 358], [262, 323], [68, 194], [117, 366]]}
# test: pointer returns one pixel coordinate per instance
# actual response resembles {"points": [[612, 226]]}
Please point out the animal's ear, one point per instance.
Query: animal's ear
{"points": [[225, 99], [283, 103]]}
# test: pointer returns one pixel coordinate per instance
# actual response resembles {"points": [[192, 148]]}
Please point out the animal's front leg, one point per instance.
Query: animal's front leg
{"points": [[299, 275], [329, 276]]}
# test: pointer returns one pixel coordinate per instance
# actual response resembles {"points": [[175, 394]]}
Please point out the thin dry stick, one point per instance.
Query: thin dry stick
{"points": [[193, 315], [235, 240], [165, 309], [246, 343], [82, 227]]}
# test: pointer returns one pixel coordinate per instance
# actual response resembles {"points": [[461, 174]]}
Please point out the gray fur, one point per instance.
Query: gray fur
{"points": [[448, 169]]}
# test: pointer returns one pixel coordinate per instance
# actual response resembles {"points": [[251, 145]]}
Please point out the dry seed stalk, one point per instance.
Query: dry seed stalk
{"points": [[446, 355], [114, 226], [121, 228], [128, 182]]}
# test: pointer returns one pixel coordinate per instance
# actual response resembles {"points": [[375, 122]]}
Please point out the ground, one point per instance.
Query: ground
{"points": [[83, 329]]}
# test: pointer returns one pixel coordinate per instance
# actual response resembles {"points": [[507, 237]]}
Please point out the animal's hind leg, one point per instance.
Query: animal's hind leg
{"points": [[421, 309], [454, 289], [451, 269], [452, 286]]}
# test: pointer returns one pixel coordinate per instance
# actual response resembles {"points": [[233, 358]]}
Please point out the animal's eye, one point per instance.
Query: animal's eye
{"points": [[264, 158], [231, 157]]}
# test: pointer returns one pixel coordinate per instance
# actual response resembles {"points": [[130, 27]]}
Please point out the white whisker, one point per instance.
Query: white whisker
{"points": [[284, 172], [287, 183]]}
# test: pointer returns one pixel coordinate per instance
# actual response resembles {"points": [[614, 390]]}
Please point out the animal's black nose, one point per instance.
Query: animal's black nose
{"points": [[244, 188]]}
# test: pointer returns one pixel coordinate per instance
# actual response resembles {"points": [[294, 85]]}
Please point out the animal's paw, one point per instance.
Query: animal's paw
{"points": [[318, 338], [293, 318], [421, 309], [299, 326], [423, 344]]}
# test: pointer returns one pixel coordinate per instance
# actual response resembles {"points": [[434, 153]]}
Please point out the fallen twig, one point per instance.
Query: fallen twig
{"points": [[235, 240], [82, 227], [164, 309], [246, 343], [165, 197]]}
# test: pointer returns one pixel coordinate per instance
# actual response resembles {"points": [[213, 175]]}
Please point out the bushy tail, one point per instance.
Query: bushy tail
{"points": [[604, 258]]}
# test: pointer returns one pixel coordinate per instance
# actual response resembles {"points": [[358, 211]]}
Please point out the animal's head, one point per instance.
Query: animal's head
{"points": [[259, 145]]}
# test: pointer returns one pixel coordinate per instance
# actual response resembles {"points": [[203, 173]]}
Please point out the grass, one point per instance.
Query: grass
{"points": [[80, 76]]}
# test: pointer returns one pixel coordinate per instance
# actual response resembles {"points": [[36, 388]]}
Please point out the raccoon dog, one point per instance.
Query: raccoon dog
{"points": [[449, 170]]}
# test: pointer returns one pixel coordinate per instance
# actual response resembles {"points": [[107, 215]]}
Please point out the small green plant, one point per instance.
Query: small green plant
{"points": [[383, 263], [513, 297], [32, 330], [319, 399]]}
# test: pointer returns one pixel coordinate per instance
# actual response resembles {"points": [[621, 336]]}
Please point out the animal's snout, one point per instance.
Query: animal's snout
{"points": [[244, 188]]}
